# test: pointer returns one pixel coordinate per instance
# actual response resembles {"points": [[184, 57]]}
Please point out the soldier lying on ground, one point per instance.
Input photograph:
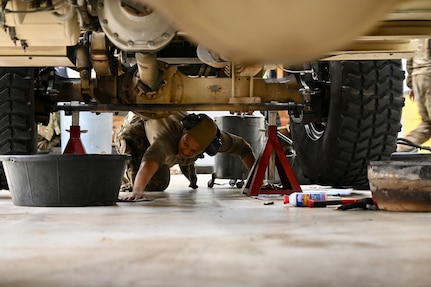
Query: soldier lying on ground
{"points": [[155, 145]]}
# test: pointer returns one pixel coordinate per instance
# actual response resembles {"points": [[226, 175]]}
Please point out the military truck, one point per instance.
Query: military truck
{"points": [[342, 79]]}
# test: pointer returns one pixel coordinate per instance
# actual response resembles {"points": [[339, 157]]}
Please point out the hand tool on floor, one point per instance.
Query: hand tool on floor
{"points": [[346, 203], [364, 203], [324, 203]]}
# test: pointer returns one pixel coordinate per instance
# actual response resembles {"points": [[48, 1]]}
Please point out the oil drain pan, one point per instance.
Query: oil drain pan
{"points": [[403, 183], [64, 179]]}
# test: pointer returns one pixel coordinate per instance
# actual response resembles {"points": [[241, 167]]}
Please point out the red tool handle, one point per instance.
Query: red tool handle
{"points": [[324, 203]]}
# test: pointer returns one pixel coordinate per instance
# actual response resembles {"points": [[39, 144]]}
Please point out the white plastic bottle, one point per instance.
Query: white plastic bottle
{"points": [[302, 198]]}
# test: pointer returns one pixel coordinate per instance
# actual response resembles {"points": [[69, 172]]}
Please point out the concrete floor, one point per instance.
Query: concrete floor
{"points": [[211, 237]]}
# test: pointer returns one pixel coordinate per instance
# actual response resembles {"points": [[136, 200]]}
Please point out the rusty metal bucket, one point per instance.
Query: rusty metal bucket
{"points": [[402, 183]]}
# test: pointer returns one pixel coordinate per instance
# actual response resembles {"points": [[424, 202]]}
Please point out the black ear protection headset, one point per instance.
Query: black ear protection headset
{"points": [[190, 121]]}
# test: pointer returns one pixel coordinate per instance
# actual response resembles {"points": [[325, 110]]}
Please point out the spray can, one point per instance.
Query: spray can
{"points": [[302, 198]]}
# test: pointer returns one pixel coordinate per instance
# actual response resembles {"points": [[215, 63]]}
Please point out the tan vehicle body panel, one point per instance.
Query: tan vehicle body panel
{"points": [[279, 31]]}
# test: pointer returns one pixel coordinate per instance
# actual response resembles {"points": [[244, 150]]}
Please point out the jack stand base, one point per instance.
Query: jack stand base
{"points": [[285, 171], [74, 145]]}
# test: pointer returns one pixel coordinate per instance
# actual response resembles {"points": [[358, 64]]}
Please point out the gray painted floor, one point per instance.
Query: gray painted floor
{"points": [[211, 237]]}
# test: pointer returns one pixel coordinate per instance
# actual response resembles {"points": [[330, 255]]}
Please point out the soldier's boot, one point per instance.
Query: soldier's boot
{"points": [[189, 172]]}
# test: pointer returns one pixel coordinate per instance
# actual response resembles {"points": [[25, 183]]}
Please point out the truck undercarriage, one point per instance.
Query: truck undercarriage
{"points": [[342, 83]]}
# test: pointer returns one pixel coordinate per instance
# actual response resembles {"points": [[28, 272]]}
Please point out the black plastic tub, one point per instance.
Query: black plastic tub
{"points": [[64, 179]]}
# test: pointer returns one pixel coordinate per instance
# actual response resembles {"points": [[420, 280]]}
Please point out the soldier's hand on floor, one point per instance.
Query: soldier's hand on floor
{"points": [[135, 197]]}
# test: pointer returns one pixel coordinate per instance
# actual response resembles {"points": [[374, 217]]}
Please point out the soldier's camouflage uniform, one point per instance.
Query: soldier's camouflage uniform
{"points": [[49, 136], [132, 139], [157, 140], [419, 80]]}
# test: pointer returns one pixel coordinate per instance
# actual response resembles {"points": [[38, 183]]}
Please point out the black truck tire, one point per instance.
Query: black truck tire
{"points": [[18, 134], [364, 118]]}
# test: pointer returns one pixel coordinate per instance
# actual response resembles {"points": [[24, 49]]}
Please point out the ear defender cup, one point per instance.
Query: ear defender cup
{"points": [[215, 145], [191, 121]]}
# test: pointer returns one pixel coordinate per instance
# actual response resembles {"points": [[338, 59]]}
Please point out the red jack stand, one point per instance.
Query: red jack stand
{"points": [[74, 145], [285, 171]]}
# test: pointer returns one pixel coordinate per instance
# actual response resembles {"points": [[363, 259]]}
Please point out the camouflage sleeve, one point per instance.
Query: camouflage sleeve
{"points": [[409, 72], [428, 48], [160, 150], [163, 135], [154, 153], [234, 145]]}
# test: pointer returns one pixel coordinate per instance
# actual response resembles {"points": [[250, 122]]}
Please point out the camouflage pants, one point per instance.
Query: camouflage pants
{"points": [[131, 139], [422, 92]]}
